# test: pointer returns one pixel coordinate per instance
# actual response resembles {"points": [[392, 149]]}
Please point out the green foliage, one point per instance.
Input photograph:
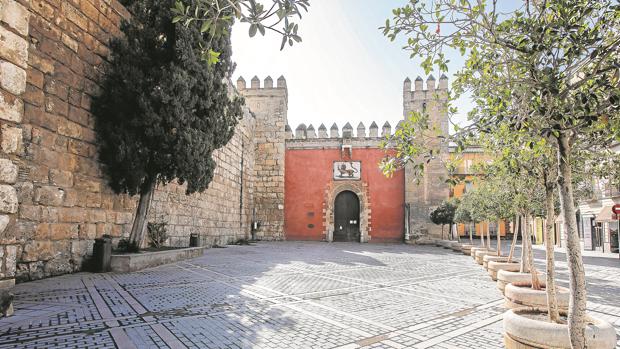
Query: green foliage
{"points": [[462, 214], [162, 111], [444, 213], [157, 233], [215, 17], [548, 68], [128, 246]]}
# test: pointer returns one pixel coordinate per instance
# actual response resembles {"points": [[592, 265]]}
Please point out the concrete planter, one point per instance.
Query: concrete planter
{"points": [[474, 249], [492, 257], [466, 249], [522, 295], [481, 253], [124, 263], [495, 266], [455, 246], [527, 328], [505, 277]]}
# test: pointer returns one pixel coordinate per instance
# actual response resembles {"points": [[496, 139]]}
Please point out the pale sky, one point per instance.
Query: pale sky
{"points": [[345, 70]]}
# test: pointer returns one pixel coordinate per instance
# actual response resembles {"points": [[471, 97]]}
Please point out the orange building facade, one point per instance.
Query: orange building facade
{"points": [[311, 188], [467, 181]]}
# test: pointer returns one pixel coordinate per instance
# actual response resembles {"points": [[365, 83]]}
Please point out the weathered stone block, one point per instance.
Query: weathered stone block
{"points": [[25, 191], [30, 212], [64, 231], [85, 183], [88, 231], [8, 171], [37, 250], [4, 222], [71, 44], [61, 178], [13, 48], [42, 231], [12, 78], [11, 139], [8, 199], [49, 195], [54, 104], [15, 15], [11, 108]]}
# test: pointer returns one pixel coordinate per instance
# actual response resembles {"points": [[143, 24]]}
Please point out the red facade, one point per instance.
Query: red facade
{"points": [[308, 179]]}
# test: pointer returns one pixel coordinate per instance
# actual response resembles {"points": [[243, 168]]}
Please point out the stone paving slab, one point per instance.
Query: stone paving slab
{"points": [[285, 295]]}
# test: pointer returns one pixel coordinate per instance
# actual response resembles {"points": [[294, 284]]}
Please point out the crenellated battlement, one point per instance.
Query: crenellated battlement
{"points": [[431, 86], [266, 90], [255, 83], [302, 132]]}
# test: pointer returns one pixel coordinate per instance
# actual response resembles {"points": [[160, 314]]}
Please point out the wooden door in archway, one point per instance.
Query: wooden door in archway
{"points": [[346, 217]]}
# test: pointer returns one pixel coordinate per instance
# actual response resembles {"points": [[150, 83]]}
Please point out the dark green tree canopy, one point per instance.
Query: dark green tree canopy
{"points": [[163, 111], [444, 213]]}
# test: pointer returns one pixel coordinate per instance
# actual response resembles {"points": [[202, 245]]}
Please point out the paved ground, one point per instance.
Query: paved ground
{"points": [[284, 295]]}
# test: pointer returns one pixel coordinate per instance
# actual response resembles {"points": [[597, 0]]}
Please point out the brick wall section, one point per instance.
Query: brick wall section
{"points": [[13, 66], [47, 132]]}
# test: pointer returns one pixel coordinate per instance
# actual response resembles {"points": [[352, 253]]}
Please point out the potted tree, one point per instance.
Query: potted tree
{"points": [[444, 215], [559, 59], [462, 215]]}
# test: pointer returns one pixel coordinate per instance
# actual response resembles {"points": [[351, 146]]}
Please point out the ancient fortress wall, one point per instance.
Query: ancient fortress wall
{"points": [[269, 104], [423, 195], [54, 200]]}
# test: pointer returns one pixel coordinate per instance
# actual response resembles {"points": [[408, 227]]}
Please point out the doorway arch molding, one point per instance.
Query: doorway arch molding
{"points": [[360, 189]]}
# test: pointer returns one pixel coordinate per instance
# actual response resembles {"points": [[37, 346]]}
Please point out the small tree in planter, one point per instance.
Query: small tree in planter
{"points": [[462, 215], [560, 57], [444, 214], [162, 110]]}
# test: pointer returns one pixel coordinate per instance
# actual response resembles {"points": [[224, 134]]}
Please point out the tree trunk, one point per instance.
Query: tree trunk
{"points": [[139, 221], [471, 236], [530, 261], [481, 235], [515, 234], [499, 240], [524, 246], [577, 280], [442, 232], [552, 304], [489, 235]]}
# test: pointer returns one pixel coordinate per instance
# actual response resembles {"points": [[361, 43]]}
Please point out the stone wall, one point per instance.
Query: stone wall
{"points": [[269, 104], [223, 213], [54, 200], [422, 195], [13, 66]]}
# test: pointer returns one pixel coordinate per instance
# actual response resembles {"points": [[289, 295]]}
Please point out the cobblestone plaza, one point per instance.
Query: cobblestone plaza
{"points": [[285, 295]]}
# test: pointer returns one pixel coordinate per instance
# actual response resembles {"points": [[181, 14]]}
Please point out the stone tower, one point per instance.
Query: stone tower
{"points": [[269, 105], [423, 196]]}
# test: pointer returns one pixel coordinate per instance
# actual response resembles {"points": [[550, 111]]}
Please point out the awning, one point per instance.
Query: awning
{"points": [[605, 215]]}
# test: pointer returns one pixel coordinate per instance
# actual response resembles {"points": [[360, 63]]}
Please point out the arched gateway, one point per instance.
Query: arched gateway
{"points": [[346, 217]]}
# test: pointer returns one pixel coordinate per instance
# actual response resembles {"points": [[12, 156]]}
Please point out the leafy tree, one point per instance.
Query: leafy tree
{"points": [[215, 17], [559, 57], [444, 214], [162, 111]]}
